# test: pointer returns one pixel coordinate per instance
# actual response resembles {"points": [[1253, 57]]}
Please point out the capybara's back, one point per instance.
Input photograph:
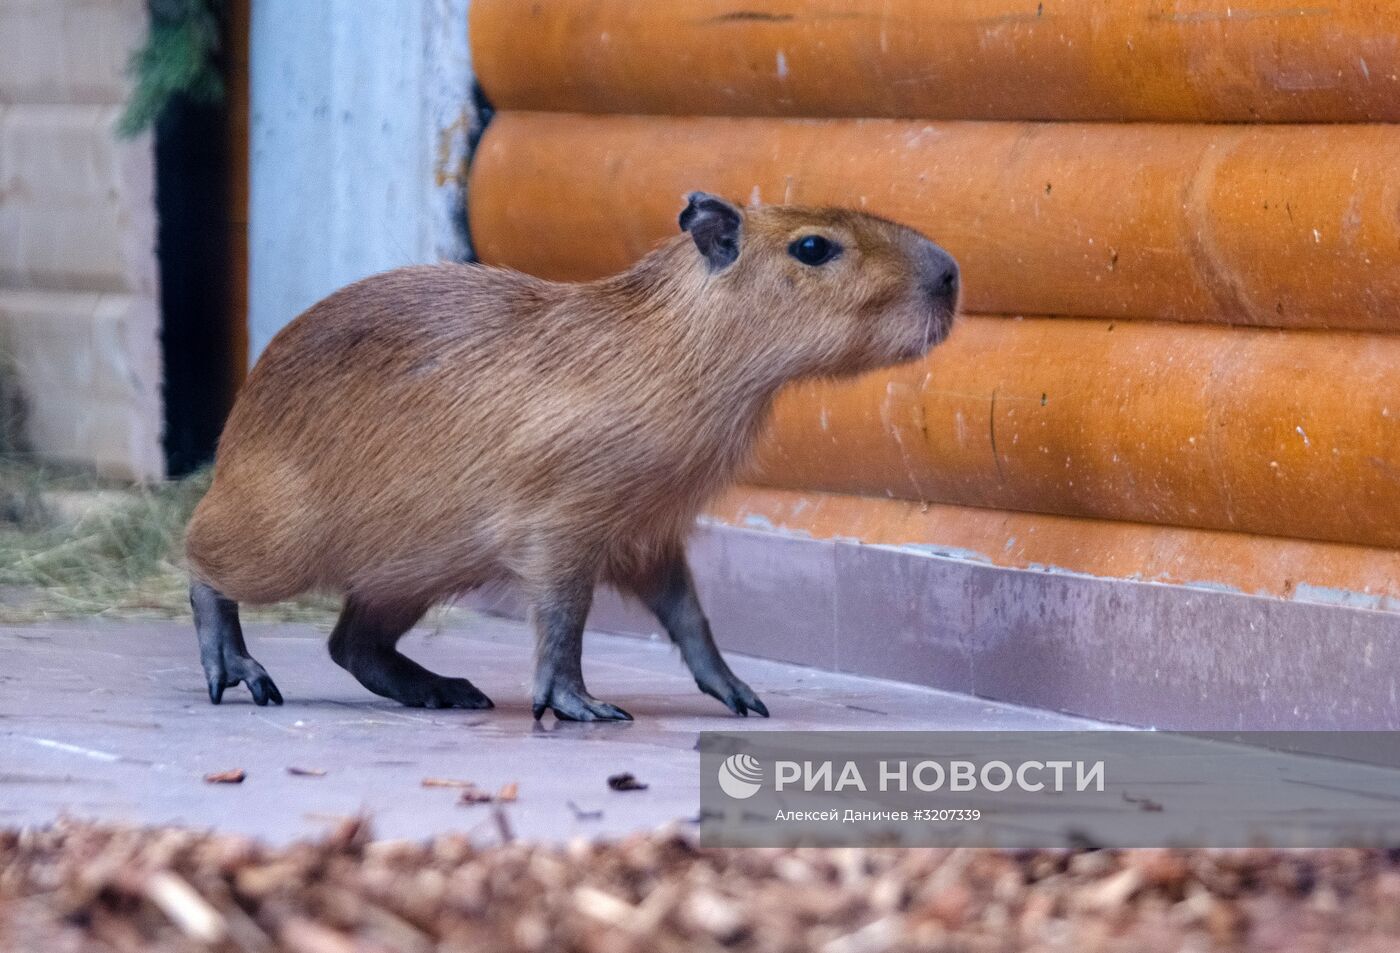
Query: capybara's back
{"points": [[436, 428]]}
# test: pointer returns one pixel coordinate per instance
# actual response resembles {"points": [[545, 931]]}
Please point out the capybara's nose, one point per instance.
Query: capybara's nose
{"points": [[938, 274]]}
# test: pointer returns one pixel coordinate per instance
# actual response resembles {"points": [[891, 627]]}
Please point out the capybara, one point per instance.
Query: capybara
{"points": [[437, 428]]}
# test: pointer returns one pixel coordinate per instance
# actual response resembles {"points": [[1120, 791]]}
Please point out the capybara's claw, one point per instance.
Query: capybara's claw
{"points": [[572, 705], [243, 669], [736, 696], [264, 690]]}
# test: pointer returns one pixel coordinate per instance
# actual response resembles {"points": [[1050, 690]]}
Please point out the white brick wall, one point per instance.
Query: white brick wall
{"points": [[67, 51], [85, 361], [78, 204], [79, 311]]}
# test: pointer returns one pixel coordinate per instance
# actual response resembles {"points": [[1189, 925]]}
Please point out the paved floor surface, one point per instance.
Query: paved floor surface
{"points": [[109, 720]]}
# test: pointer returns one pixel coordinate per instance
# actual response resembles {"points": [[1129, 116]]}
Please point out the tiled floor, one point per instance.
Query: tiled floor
{"points": [[110, 720]]}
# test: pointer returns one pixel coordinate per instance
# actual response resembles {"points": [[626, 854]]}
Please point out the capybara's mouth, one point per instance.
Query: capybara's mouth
{"points": [[937, 327]]}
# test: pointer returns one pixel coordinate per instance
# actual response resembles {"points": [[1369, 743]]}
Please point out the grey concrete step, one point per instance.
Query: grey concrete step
{"points": [[1179, 657]]}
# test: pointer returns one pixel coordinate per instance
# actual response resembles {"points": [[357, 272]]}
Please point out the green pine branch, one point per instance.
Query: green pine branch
{"points": [[178, 58]]}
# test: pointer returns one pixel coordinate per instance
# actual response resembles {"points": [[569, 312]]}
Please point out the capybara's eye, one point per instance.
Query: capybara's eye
{"points": [[814, 250]]}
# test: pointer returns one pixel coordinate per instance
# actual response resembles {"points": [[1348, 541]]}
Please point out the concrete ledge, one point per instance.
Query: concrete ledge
{"points": [[1301, 570], [1167, 656]]}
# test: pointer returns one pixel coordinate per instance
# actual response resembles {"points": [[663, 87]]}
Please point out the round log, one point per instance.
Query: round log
{"points": [[1238, 61], [1288, 226], [1285, 433]]}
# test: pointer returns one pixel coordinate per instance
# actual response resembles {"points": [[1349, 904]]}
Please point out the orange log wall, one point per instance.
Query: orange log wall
{"points": [[1182, 365]]}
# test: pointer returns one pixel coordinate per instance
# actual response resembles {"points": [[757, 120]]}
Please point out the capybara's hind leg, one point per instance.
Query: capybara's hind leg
{"points": [[364, 644], [222, 651], [669, 591]]}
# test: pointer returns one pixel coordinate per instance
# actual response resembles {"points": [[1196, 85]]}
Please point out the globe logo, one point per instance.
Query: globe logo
{"points": [[740, 776]]}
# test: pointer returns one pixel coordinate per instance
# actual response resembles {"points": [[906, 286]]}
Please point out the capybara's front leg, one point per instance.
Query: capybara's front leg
{"points": [[559, 615], [668, 590], [222, 651]]}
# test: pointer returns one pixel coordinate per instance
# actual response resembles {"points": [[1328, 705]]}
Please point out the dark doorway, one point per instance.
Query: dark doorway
{"points": [[192, 199], [202, 205]]}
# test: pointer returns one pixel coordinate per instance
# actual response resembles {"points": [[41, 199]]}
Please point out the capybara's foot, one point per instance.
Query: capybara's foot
{"points": [[575, 704], [241, 668], [731, 690], [222, 651], [440, 692]]}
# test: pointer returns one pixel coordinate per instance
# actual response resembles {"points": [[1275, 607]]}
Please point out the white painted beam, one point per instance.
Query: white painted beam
{"points": [[360, 113]]}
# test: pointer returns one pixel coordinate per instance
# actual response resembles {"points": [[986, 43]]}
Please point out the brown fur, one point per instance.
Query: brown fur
{"points": [[432, 429]]}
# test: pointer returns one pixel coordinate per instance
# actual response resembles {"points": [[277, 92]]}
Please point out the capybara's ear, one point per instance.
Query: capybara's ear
{"points": [[715, 226]]}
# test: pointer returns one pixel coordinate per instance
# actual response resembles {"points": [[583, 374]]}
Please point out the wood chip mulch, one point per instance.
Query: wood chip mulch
{"points": [[76, 887]]}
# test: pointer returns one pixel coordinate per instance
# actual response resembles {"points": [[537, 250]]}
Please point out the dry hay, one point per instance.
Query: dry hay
{"points": [[75, 544]]}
